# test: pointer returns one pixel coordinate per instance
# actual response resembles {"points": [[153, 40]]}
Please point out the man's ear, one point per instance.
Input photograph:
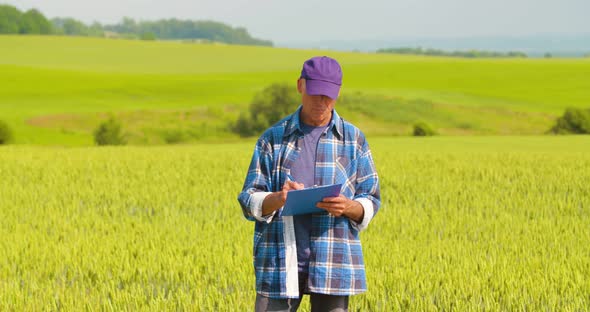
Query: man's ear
{"points": [[301, 85]]}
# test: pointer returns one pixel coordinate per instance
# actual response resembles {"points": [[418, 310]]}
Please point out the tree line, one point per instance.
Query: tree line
{"points": [[437, 52], [13, 21]]}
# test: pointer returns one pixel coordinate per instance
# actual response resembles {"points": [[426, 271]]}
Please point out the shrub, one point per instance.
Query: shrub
{"points": [[109, 133], [174, 136], [147, 36], [5, 133], [573, 121], [423, 129], [269, 106]]}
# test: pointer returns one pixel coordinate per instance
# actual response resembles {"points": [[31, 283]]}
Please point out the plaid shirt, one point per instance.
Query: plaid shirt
{"points": [[336, 264]]}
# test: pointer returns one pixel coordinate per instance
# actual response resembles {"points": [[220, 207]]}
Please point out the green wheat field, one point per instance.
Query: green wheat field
{"points": [[492, 215]]}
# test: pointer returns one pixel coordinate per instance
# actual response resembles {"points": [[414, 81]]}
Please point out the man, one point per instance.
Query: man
{"points": [[317, 254]]}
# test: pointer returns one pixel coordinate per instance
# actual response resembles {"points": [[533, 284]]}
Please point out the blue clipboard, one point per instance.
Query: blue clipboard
{"points": [[304, 201]]}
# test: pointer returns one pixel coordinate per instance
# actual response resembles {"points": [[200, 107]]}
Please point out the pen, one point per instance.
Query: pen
{"points": [[290, 177]]}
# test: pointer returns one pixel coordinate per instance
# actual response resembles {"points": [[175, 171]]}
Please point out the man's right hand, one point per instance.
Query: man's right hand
{"points": [[277, 200]]}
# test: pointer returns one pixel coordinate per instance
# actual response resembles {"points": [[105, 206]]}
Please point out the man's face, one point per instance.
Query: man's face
{"points": [[317, 109]]}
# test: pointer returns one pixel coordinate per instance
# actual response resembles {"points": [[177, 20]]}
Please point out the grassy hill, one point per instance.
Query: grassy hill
{"points": [[56, 89]]}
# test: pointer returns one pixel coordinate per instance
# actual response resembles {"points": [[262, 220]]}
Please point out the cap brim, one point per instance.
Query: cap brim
{"points": [[319, 87]]}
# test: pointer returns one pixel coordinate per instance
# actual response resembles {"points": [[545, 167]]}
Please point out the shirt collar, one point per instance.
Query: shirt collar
{"points": [[294, 123]]}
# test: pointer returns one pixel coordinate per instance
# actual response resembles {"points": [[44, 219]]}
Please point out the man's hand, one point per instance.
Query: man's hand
{"points": [[342, 206], [276, 200]]}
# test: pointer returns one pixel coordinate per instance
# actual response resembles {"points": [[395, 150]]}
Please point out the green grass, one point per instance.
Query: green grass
{"points": [[83, 76], [467, 223]]}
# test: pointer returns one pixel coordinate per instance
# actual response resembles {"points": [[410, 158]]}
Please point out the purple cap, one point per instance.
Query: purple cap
{"points": [[323, 76]]}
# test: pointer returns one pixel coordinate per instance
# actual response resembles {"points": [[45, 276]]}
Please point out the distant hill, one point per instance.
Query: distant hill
{"points": [[186, 29], [57, 89], [13, 21], [467, 54], [568, 45]]}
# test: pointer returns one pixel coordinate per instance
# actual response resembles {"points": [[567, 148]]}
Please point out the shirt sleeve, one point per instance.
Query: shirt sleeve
{"points": [[367, 191], [257, 184]]}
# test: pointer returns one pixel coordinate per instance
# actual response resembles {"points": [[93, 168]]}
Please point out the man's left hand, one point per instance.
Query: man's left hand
{"points": [[343, 206]]}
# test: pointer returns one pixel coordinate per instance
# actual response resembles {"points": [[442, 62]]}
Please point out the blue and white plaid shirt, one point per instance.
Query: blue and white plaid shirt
{"points": [[336, 264]]}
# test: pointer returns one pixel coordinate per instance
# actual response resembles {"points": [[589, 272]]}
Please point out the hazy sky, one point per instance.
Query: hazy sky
{"points": [[307, 20]]}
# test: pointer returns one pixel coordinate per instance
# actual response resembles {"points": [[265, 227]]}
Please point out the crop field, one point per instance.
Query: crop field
{"points": [[467, 223], [497, 221], [55, 90]]}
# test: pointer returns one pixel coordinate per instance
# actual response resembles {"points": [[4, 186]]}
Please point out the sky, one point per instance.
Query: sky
{"points": [[308, 20]]}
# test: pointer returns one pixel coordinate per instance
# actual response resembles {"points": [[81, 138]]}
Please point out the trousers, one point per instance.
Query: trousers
{"points": [[319, 302]]}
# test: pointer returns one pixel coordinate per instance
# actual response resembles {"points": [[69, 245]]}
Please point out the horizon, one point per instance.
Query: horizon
{"points": [[402, 20]]}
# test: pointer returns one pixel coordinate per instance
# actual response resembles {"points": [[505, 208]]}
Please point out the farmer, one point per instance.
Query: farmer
{"points": [[317, 254]]}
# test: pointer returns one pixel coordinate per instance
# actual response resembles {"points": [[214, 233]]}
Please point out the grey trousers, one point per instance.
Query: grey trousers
{"points": [[319, 302]]}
